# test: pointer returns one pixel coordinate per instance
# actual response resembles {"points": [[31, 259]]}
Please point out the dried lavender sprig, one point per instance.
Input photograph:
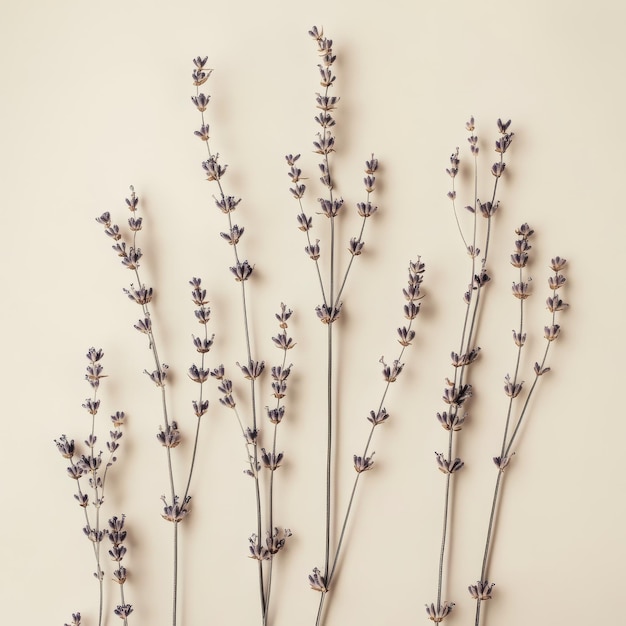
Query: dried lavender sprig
{"points": [[458, 391], [330, 206], [117, 535], [363, 462], [482, 590], [90, 465], [279, 374], [199, 374], [242, 270], [169, 436]]}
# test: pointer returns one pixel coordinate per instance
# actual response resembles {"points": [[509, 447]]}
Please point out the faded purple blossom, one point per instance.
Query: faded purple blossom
{"points": [[391, 372], [317, 580], [448, 466], [451, 421], [176, 511], [271, 460], [363, 463], [170, 437], [242, 271], [552, 332], [501, 462], [158, 376], [378, 417], [481, 590], [439, 612]]}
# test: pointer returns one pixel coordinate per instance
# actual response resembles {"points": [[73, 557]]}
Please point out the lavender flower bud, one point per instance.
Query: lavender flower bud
{"points": [[198, 374], [118, 419], [200, 408], [391, 372], [326, 314], [252, 370], [379, 417], [271, 460], [519, 339], [556, 282], [439, 612], [406, 336], [366, 209], [227, 204], [481, 590], [503, 126], [275, 415], [158, 376], [552, 332], [356, 246], [258, 551], [557, 264], [284, 315], [241, 271], [175, 512], [203, 132], [317, 581], [521, 290], [170, 437], [446, 466], [362, 464], [497, 169], [201, 102], [451, 421], [313, 250], [512, 389], [123, 610], [203, 344], [501, 462]]}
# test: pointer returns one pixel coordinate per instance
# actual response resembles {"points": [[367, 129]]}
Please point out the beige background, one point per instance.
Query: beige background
{"points": [[95, 97]]}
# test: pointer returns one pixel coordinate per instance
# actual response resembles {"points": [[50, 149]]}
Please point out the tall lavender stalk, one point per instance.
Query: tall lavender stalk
{"points": [[513, 389], [263, 551], [331, 287], [458, 390], [92, 467], [176, 507], [365, 461]]}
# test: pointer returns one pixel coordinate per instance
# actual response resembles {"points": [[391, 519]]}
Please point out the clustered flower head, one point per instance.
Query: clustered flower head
{"points": [[175, 511], [481, 590], [437, 613]]}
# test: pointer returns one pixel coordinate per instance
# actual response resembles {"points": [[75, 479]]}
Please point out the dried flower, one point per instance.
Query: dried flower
{"points": [[363, 463], [317, 581], [481, 590], [448, 466], [439, 612], [170, 437]]}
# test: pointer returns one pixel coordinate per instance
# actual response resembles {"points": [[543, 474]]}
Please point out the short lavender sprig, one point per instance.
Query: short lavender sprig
{"points": [[117, 552], [390, 372], [275, 537], [91, 466], [482, 590], [457, 390], [176, 508]]}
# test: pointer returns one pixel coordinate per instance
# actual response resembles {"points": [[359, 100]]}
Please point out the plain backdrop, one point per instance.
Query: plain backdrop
{"points": [[95, 97]]}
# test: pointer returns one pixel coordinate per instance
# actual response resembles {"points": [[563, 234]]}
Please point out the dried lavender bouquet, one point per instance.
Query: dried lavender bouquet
{"points": [[331, 290], [459, 389], [91, 467], [176, 505]]}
